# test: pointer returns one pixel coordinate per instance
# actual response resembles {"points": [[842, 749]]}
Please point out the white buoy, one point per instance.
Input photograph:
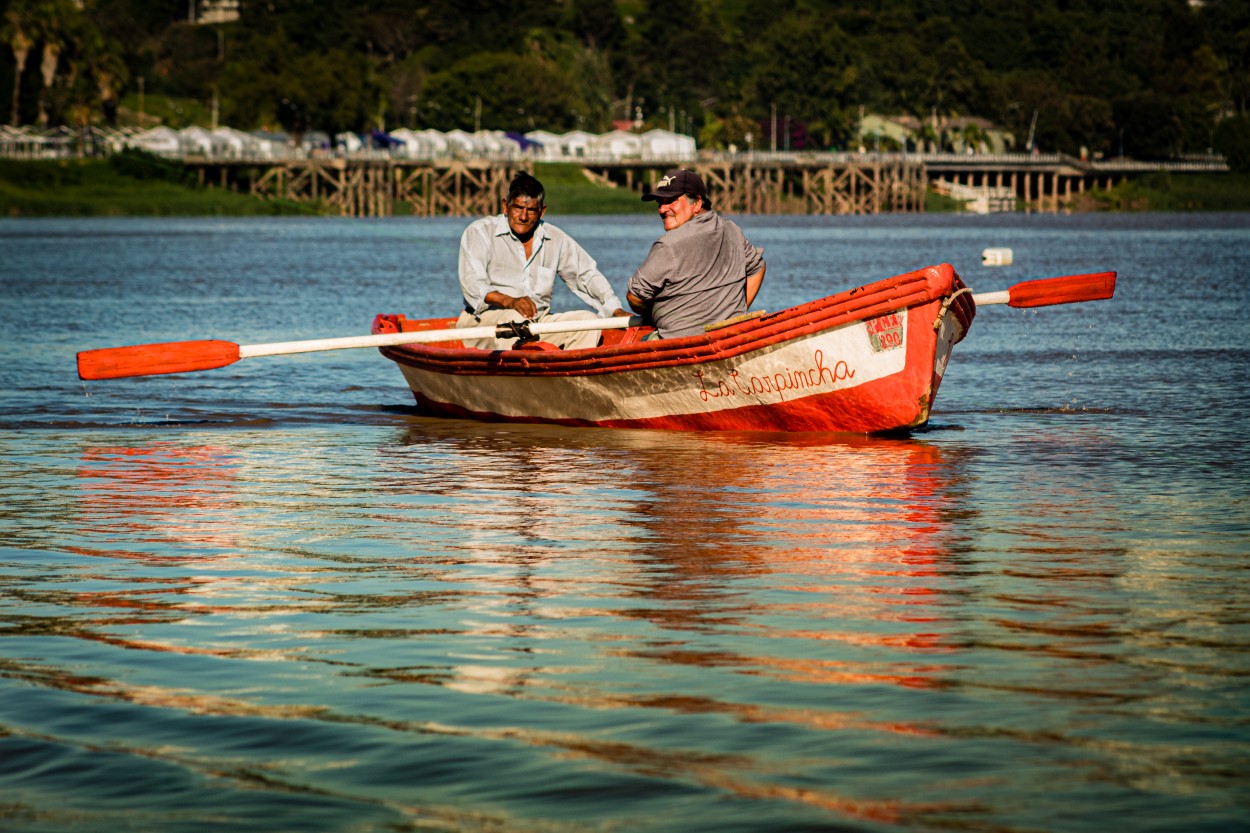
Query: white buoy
{"points": [[996, 257]]}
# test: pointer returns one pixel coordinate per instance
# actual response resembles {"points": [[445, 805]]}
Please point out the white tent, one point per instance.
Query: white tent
{"points": [[240, 145], [667, 145], [317, 141], [350, 142], [271, 145], [458, 141], [576, 143], [436, 141], [412, 145], [493, 142], [161, 140], [617, 144], [196, 141], [551, 148]]}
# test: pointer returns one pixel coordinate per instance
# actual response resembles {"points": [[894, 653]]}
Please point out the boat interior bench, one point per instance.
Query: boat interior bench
{"points": [[607, 338]]}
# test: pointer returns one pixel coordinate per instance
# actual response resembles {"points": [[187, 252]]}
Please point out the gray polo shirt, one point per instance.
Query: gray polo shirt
{"points": [[492, 259], [696, 274]]}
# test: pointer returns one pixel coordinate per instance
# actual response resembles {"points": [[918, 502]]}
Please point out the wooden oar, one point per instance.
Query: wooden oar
{"points": [[186, 356], [1070, 289]]}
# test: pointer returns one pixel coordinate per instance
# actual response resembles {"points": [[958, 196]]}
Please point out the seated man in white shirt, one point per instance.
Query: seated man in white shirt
{"points": [[508, 267]]}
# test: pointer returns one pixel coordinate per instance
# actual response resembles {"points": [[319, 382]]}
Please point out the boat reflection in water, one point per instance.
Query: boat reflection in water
{"points": [[176, 500], [637, 572], [671, 607]]}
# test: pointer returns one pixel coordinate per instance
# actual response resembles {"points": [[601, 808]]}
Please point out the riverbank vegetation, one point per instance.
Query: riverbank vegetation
{"points": [[128, 184], [1151, 79]]}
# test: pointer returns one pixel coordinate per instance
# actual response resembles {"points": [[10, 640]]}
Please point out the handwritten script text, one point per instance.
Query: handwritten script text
{"points": [[736, 384]]}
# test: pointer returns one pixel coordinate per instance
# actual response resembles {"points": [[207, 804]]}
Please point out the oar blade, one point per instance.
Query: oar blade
{"points": [[156, 359], [1070, 289]]}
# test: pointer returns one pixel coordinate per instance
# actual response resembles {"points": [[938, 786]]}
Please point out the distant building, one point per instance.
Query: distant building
{"points": [[961, 134], [215, 11]]}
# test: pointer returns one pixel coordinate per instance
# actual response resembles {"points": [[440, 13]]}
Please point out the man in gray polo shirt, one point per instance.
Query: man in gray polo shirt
{"points": [[702, 270], [508, 268]]}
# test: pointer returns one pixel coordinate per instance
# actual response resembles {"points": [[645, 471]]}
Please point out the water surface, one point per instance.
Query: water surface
{"points": [[275, 596]]}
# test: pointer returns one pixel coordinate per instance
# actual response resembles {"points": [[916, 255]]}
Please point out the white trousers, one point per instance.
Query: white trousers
{"points": [[565, 341]]}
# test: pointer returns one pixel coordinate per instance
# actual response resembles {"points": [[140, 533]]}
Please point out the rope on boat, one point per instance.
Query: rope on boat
{"points": [[946, 305]]}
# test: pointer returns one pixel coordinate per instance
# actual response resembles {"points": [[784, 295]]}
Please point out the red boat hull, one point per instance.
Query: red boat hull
{"points": [[869, 360]]}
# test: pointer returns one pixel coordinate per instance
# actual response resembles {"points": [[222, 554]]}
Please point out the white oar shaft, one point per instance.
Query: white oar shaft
{"points": [[247, 351], [983, 298]]}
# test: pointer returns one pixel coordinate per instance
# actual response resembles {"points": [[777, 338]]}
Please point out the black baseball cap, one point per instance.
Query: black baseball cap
{"points": [[677, 182]]}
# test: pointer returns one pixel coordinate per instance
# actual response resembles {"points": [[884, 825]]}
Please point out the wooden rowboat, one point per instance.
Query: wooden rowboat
{"points": [[867, 361]]}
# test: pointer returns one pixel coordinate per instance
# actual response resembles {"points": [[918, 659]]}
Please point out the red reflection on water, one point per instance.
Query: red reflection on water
{"points": [[854, 533], [821, 559], [162, 494]]}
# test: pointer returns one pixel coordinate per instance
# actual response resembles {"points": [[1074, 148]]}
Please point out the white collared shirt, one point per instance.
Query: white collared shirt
{"points": [[492, 259]]}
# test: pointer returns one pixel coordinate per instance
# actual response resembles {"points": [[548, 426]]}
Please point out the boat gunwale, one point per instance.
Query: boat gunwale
{"points": [[901, 292]]}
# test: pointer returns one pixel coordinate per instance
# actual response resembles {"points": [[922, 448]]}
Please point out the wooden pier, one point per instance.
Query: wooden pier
{"points": [[777, 183], [373, 187], [788, 185]]}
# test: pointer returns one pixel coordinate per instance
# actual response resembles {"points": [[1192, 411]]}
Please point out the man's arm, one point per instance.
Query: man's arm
{"points": [[639, 306], [474, 268], [753, 284], [581, 274], [645, 283]]}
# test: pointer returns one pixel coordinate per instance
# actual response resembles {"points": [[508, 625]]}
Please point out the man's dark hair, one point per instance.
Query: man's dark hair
{"points": [[707, 201], [524, 185]]}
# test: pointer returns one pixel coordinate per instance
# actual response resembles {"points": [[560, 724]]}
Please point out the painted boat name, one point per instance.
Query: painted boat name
{"points": [[779, 382]]}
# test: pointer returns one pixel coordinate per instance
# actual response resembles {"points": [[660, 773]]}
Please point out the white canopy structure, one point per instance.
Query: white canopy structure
{"points": [[435, 141], [196, 141], [492, 142], [550, 147], [576, 143], [665, 144], [617, 144], [349, 142], [412, 145], [161, 140], [239, 145], [460, 142], [543, 145]]}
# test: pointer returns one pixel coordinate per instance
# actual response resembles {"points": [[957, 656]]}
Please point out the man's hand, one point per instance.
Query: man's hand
{"points": [[525, 306], [620, 313]]}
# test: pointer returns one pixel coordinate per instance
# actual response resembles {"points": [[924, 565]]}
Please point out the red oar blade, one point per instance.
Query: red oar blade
{"points": [[155, 359], [1069, 289]]}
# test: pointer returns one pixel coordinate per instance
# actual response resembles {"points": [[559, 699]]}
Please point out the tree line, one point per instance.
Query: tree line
{"points": [[1150, 79]]}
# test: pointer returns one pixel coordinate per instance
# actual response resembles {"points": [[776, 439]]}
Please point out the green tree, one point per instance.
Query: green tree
{"points": [[41, 25], [16, 32], [1149, 126], [804, 66], [502, 91], [1232, 139], [681, 52]]}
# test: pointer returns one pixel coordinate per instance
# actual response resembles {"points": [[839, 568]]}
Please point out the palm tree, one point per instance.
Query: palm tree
{"points": [[16, 33], [49, 20]]}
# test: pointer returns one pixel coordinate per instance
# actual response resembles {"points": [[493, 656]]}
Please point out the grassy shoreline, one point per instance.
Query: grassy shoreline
{"points": [[135, 185]]}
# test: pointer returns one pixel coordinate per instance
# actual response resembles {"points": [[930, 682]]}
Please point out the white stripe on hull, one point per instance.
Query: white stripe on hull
{"points": [[820, 363]]}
